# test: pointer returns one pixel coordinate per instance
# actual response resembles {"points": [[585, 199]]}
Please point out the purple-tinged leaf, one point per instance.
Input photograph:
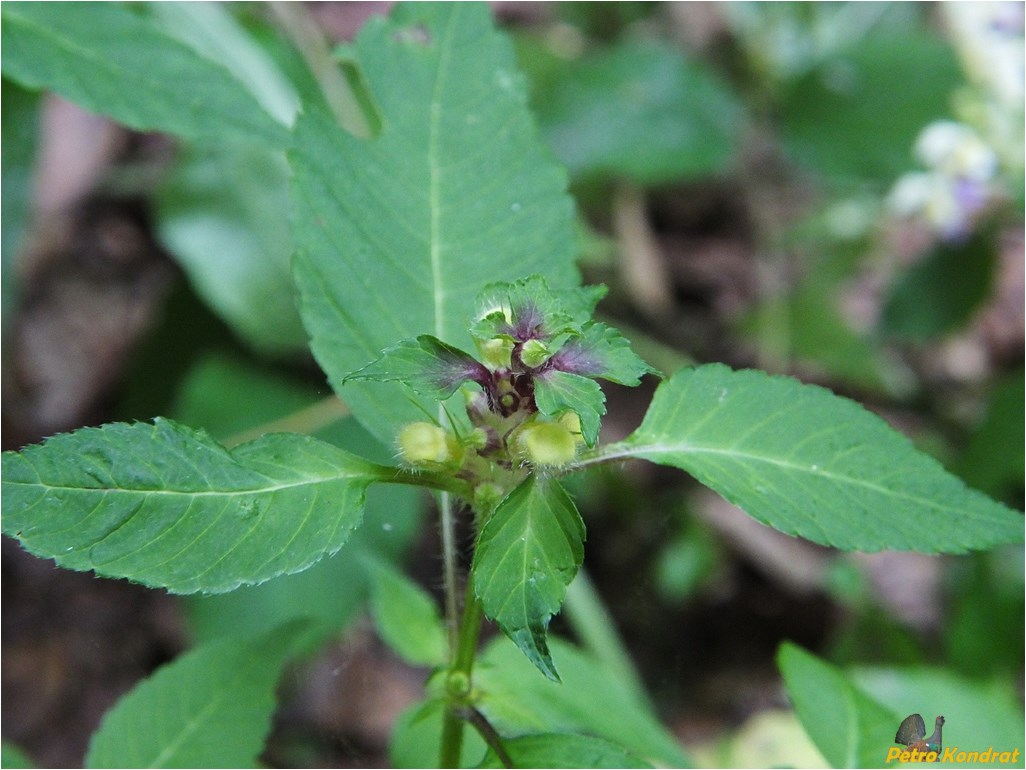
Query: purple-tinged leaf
{"points": [[427, 365], [601, 351], [528, 309]]}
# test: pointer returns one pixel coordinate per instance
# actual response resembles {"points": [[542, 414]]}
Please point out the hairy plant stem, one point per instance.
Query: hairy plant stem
{"points": [[448, 526], [459, 681]]}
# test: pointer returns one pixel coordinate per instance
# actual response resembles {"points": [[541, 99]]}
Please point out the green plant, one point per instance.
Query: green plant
{"points": [[432, 225]]}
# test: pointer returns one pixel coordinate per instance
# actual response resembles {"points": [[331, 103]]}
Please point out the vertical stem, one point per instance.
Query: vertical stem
{"points": [[470, 628], [458, 682], [452, 616]]}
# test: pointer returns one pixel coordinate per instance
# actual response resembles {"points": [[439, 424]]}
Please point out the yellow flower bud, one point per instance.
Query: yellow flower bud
{"points": [[572, 423], [422, 443], [534, 353], [547, 443], [496, 352]]}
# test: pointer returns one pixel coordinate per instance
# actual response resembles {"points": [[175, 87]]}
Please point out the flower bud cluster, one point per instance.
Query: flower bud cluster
{"points": [[530, 396]]}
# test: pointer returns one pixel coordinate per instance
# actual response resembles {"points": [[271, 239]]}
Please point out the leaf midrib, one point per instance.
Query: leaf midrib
{"points": [[624, 451], [190, 727], [369, 477], [434, 180]]}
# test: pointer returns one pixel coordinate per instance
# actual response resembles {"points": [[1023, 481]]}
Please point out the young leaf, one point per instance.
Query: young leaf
{"points": [[527, 554], [601, 351], [427, 365], [211, 707], [809, 463], [405, 615], [562, 750], [397, 235], [847, 726], [167, 506], [110, 60], [556, 391], [528, 306]]}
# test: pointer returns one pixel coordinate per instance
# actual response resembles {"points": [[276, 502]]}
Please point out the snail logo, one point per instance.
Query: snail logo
{"points": [[912, 733], [920, 748]]}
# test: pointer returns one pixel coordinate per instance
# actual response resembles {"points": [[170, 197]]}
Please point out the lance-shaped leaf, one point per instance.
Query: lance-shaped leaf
{"points": [[813, 464], [556, 392], [111, 60], [849, 727], [405, 615], [167, 506], [212, 707], [397, 235], [601, 351], [427, 365], [527, 554]]}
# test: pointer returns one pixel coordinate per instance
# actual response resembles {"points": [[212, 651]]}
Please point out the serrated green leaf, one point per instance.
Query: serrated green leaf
{"points": [[167, 506], [427, 365], [516, 701], [556, 392], [809, 463], [849, 728], [405, 615], [562, 750], [527, 554], [211, 707], [111, 60], [226, 396], [397, 235], [601, 351]]}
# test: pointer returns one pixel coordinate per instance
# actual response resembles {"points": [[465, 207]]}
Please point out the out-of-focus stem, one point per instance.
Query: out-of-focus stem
{"points": [[307, 420], [307, 37]]}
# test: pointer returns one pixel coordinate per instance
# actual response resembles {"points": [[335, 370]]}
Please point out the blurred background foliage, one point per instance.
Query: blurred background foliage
{"points": [[756, 184]]}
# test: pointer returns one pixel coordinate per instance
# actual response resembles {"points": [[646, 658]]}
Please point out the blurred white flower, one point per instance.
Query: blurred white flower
{"points": [[955, 150], [957, 184], [990, 42]]}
